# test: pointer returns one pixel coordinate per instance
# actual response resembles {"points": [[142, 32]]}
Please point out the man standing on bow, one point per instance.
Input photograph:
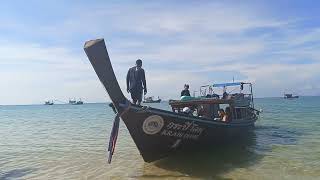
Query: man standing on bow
{"points": [[136, 82]]}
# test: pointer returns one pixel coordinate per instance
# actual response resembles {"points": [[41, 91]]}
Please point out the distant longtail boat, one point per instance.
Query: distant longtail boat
{"points": [[151, 100], [48, 103], [74, 102], [290, 96]]}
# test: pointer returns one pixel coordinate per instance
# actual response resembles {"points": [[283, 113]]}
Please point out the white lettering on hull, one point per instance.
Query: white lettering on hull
{"points": [[187, 130]]}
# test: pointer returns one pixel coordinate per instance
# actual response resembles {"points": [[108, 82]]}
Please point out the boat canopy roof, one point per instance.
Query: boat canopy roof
{"points": [[228, 84]]}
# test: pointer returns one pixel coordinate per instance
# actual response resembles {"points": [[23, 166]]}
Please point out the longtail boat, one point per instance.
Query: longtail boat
{"points": [[157, 133]]}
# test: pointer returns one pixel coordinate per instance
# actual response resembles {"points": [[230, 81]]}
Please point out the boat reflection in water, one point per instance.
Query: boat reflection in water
{"points": [[158, 133], [212, 161]]}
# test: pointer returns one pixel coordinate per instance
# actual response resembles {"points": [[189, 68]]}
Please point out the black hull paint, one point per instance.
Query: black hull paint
{"points": [[156, 146]]}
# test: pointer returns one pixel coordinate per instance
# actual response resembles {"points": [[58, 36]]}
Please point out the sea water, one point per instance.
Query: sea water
{"points": [[69, 142]]}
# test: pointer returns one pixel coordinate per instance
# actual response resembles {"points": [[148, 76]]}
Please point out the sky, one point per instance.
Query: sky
{"points": [[273, 44]]}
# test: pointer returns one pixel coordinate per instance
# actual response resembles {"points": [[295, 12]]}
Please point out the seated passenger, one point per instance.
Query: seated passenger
{"points": [[205, 111], [212, 94], [221, 114], [201, 111], [227, 117]]}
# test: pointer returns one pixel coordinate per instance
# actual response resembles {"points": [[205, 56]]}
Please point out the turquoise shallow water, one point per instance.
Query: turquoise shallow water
{"points": [[69, 142]]}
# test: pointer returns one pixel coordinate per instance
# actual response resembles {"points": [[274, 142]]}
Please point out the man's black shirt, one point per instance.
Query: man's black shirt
{"points": [[185, 93]]}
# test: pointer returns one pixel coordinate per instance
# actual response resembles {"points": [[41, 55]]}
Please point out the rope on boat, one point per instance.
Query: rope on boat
{"points": [[115, 128]]}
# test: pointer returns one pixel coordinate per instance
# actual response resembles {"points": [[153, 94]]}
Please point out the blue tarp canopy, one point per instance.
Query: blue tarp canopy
{"points": [[227, 84]]}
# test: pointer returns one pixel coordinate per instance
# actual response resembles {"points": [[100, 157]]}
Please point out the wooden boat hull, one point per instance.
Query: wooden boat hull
{"points": [[157, 132]]}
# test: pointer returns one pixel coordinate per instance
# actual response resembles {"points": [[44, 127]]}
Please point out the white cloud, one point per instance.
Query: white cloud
{"points": [[203, 38], [33, 73]]}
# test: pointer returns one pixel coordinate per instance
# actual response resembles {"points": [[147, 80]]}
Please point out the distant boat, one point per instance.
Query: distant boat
{"points": [[151, 100], [74, 102], [48, 103], [79, 102], [290, 96]]}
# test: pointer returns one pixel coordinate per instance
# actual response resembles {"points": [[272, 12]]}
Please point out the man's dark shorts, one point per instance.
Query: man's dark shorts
{"points": [[136, 94]]}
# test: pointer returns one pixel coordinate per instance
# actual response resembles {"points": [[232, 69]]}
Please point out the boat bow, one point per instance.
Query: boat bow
{"points": [[98, 55]]}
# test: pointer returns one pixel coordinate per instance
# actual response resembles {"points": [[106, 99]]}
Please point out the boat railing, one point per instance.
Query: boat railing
{"points": [[208, 108]]}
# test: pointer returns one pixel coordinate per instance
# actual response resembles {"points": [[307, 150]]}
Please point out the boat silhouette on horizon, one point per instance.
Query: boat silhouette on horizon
{"points": [[151, 100]]}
